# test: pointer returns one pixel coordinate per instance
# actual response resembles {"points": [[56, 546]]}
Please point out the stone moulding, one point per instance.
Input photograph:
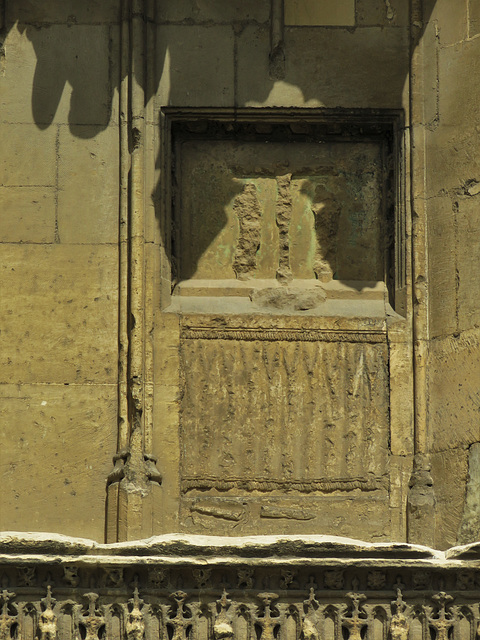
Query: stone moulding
{"points": [[264, 587], [286, 335], [302, 486]]}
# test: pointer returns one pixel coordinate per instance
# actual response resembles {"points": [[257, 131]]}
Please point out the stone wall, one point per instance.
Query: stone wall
{"points": [[208, 268], [59, 197], [451, 120]]}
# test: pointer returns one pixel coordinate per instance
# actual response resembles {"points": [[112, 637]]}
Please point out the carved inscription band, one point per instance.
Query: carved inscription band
{"points": [[283, 335], [303, 486]]}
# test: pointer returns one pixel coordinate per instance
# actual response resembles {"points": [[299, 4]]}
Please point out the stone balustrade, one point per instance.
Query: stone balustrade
{"points": [[181, 587]]}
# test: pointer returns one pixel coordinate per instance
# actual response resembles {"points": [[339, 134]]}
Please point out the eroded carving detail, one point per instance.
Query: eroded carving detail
{"points": [[92, 622], [399, 626], [356, 619], [231, 386], [26, 576], [310, 620], [180, 617], [245, 578], [284, 335], [202, 577], [283, 217], [442, 620], [268, 623], [135, 625], [376, 579], [113, 576], [222, 629], [249, 214], [334, 579], [71, 576], [47, 623], [9, 616]]}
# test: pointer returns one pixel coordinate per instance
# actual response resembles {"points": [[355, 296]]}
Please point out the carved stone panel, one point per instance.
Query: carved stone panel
{"points": [[283, 281], [266, 419]]}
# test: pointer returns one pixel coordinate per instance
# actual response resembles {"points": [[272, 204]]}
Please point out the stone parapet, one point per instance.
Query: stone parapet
{"points": [[181, 587]]}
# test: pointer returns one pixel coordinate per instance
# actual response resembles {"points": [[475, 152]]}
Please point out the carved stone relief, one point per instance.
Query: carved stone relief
{"points": [[282, 268]]}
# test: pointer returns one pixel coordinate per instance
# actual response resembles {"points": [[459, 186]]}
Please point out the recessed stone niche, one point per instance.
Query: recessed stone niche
{"points": [[287, 215], [286, 248]]}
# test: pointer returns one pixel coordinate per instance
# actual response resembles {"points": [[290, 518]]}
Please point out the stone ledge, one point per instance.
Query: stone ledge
{"points": [[190, 587], [183, 545]]}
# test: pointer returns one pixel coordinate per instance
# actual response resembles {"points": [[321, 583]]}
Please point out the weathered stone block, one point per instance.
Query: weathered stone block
{"points": [[468, 264], [382, 13], [313, 13], [55, 440], [88, 181], [217, 11], [474, 18], [61, 325], [449, 472], [442, 265], [454, 380], [28, 155], [325, 67], [197, 65], [63, 11], [452, 160], [451, 21], [28, 214], [457, 68]]}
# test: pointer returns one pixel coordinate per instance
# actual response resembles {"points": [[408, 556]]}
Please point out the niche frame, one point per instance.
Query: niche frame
{"points": [[310, 124]]}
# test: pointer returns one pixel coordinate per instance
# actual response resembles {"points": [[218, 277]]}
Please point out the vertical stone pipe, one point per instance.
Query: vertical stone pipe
{"points": [[129, 499], [123, 435], [421, 499]]}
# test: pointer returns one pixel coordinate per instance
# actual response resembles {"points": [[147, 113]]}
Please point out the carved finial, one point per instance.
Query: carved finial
{"points": [[442, 620], [355, 620], [309, 623], [399, 626], [179, 623], [268, 623], [135, 625], [223, 627], [5, 597], [6, 620], [93, 622], [47, 623]]}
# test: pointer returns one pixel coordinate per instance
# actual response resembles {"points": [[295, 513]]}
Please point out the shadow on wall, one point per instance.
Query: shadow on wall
{"points": [[85, 61]]}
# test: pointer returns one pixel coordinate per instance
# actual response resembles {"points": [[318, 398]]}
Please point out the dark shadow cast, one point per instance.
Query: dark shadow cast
{"points": [[86, 66]]}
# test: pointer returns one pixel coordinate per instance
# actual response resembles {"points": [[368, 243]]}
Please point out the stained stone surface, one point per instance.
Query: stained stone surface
{"points": [[263, 210], [282, 321]]}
